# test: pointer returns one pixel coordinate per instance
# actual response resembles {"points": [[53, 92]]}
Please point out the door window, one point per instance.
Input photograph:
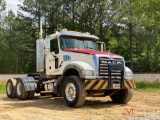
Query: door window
{"points": [[54, 46]]}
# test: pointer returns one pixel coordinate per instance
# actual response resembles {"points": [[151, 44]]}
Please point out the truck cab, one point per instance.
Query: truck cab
{"points": [[75, 65]]}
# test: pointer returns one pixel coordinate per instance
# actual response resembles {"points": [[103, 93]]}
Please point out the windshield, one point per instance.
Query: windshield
{"points": [[79, 43]]}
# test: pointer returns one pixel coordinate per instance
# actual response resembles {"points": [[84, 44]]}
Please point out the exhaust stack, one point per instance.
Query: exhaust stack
{"points": [[40, 51], [40, 29]]}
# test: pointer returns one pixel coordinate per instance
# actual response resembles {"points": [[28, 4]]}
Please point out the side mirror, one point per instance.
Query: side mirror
{"points": [[47, 43], [101, 46]]}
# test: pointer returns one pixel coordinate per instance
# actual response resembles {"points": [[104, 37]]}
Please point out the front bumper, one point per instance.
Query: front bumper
{"points": [[105, 85]]}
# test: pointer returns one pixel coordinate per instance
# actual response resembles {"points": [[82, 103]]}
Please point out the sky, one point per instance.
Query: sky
{"points": [[12, 4]]}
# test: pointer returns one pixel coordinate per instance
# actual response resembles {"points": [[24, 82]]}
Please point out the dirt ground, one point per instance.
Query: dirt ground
{"points": [[143, 106]]}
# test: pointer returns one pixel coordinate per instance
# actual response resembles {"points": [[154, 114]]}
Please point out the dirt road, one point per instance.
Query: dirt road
{"points": [[143, 106]]}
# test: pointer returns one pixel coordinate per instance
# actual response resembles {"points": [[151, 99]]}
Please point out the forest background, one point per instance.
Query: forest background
{"points": [[130, 28]]}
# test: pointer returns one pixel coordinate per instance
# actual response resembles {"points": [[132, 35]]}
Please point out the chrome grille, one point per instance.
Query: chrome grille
{"points": [[104, 65], [113, 70]]}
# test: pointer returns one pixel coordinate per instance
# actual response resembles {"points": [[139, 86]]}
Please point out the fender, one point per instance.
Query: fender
{"points": [[79, 66], [29, 83]]}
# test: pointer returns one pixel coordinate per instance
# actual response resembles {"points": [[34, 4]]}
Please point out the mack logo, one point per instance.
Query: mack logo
{"points": [[111, 62]]}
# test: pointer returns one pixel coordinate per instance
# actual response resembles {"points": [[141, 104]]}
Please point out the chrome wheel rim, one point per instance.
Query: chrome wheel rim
{"points": [[70, 91], [19, 89], [9, 88]]}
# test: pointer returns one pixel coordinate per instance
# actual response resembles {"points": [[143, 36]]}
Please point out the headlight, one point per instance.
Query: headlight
{"points": [[128, 73], [88, 73]]}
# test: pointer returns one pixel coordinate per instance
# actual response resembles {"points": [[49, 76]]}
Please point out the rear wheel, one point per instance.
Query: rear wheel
{"points": [[11, 88], [73, 91], [21, 93], [123, 96]]}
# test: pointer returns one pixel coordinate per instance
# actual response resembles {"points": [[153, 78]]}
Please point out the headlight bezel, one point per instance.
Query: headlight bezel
{"points": [[128, 73], [87, 72]]}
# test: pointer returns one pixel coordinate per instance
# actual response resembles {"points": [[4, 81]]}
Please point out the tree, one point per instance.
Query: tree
{"points": [[128, 27]]}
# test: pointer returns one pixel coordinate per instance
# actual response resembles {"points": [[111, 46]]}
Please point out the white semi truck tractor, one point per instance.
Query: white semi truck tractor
{"points": [[74, 65]]}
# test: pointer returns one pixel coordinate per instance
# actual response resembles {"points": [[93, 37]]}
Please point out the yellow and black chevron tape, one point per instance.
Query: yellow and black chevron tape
{"points": [[130, 84], [96, 84], [103, 84]]}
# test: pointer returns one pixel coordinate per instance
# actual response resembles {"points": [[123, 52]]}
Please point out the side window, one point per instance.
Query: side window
{"points": [[54, 46]]}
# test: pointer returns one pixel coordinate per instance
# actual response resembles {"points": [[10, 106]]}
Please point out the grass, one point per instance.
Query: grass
{"points": [[153, 86], [2, 88]]}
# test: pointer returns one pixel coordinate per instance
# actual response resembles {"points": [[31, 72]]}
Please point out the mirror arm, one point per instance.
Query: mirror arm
{"points": [[54, 56], [46, 51]]}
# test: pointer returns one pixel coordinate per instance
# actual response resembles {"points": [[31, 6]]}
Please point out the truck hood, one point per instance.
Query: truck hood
{"points": [[89, 51]]}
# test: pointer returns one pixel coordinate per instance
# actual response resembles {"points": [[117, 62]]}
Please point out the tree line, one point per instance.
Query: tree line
{"points": [[128, 27]]}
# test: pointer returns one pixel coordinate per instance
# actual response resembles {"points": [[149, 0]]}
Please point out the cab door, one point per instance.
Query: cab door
{"points": [[52, 58]]}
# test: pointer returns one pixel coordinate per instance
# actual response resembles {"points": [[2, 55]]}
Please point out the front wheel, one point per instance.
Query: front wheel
{"points": [[123, 96], [73, 91]]}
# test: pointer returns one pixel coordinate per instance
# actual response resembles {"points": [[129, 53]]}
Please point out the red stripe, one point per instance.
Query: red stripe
{"points": [[88, 51]]}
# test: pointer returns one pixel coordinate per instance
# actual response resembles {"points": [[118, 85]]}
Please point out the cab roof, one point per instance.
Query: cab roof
{"points": [[74, 34], [78, 34]]}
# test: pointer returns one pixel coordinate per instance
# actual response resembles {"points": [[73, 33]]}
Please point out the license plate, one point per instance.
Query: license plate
{"points": [[116, 86]]}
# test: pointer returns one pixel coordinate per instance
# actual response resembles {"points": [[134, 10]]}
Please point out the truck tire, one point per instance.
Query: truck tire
{"points": [[21, 93], [73, 91], [31, 95], [11, 88], [123, 96]]}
